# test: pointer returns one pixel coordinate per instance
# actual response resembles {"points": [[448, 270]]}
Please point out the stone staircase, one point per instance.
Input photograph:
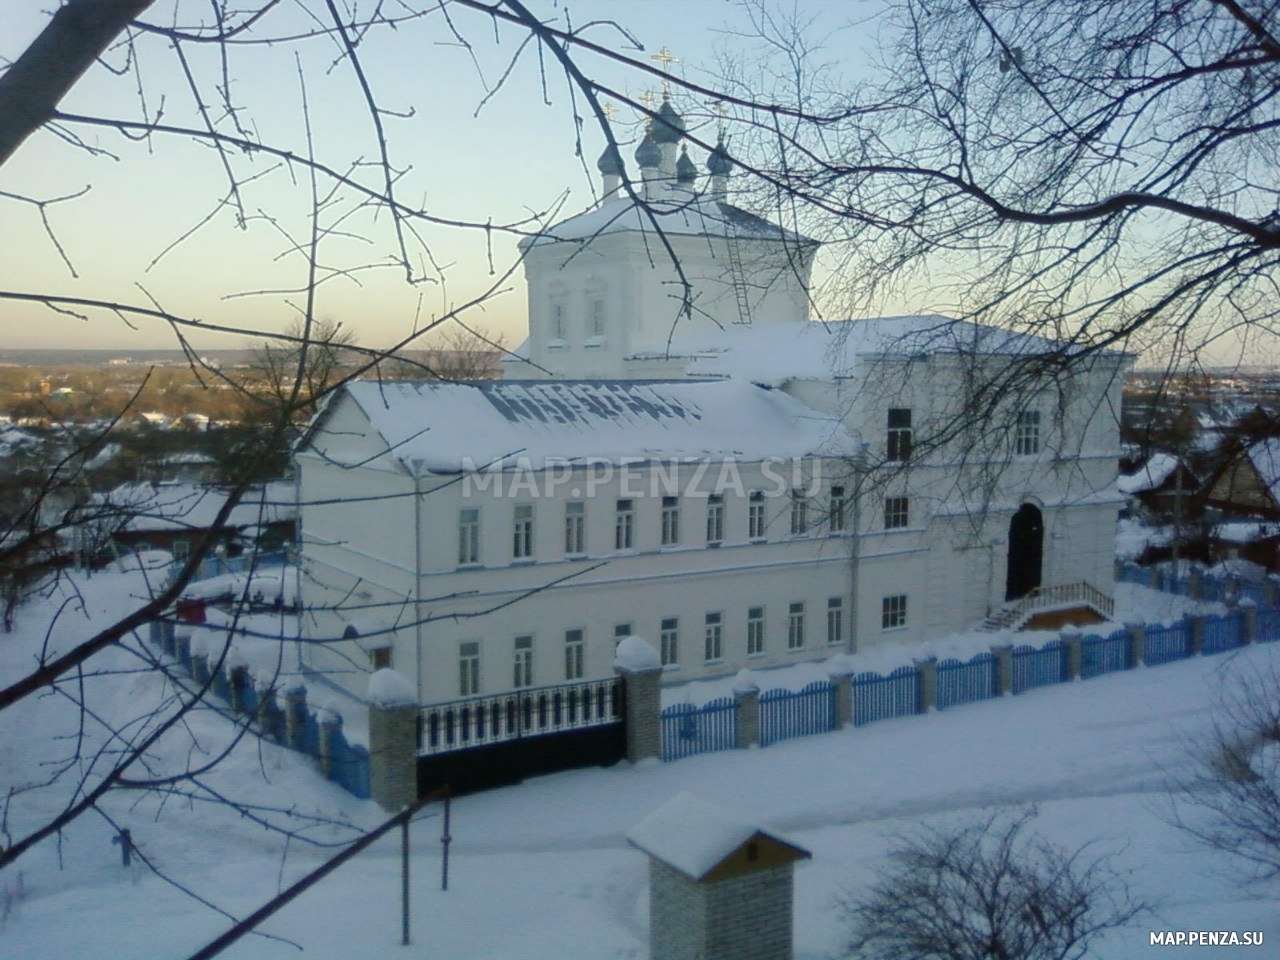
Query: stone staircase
{"points": [[1013, 614]]}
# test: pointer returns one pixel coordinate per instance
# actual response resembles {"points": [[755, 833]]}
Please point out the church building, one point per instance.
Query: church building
{"points": [[678, 452]]}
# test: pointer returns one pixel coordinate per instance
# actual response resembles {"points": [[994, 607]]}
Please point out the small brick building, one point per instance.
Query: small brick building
{"points": [[720, 888]]}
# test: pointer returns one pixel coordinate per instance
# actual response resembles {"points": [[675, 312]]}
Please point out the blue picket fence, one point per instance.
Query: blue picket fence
{"points": [[215, 566], [785, 714], [1099, 655], [1166, 644], [1039, 668], [966, 682], [881, 698], [688, 730], [349, 765], [1222, 633]]}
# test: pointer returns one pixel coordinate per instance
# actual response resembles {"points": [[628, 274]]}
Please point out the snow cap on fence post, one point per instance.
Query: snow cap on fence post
{"points": [[840, 670], [747, 694], [393, 740], [640, 668]]}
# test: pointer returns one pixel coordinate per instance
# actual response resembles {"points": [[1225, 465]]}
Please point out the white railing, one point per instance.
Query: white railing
{"points": [[1059, 595]]}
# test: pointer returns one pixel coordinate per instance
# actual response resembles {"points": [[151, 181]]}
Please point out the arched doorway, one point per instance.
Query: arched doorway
{"points": [[1026, 552]]}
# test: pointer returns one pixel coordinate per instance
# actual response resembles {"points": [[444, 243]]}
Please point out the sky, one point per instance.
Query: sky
{"points": [[470, 141]]}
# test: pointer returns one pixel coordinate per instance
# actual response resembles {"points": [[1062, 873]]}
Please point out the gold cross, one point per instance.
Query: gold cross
{"points": [[647, 98], [720, 112], [664, 57], [608, 109]]}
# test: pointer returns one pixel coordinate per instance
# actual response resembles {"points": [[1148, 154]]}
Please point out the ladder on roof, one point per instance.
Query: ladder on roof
{"points": [[737, 276]]}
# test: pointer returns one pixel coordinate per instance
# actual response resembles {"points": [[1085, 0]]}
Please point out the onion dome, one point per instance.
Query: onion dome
{"points": [[719, 164], [610, 161], [686, 172], [668, 126], [648, 154]]}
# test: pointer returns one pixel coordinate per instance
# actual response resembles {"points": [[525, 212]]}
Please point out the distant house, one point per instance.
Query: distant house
{"points": [[176, 516], [1158, 484], [1247, 485]]}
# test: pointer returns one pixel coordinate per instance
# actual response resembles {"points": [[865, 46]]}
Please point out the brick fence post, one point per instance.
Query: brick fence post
{"points": [[1195, 635], [840, 670], [393, 740], [1137, 640], [166, 637], [1004, 670], [747, 694], [1195, 585], [1073, 640], [1153, 578], [640, 668], [928, 686], [1248, 621], [182, 647], [200, 667], [239, 682], [295, 715]]}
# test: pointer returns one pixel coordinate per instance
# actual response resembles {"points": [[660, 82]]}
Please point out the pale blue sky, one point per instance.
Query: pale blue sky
{"points": [[514, 158]]}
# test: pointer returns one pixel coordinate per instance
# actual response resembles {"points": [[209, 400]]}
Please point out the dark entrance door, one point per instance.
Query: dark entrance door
{"points": [[1026, 551]]}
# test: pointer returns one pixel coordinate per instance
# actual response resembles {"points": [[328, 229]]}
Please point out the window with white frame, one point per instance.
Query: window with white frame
{"points": [[469, 668], [380, 658], [714, 636], [898, 447], [715, 518], [469, 535], [181, 550], [897, 513], [670, 521], [755, 631], [893, 612], [795, 626], [575, 651], [799, 513], [836, 519], [522, 662], [623, 525], [835, 620], [522, 533], [1026, 440], [669, 638], [575, 528], [755, 516]]}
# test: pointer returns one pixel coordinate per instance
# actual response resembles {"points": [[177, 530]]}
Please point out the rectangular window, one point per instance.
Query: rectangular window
{"points": [[557, 321], [670, 521], [799, 514], [522, 651], [893, 612], [620, 632], [755, 631], [1026, 441], [715, 518], [897, 513], [670, 639], [575, 528], [469, 536], [899, 446], [714, 649], [597, 318], [380, 658], [181, 550], [574, 655], [836, 516], [795, 627], [835, 620], [755, 516], [522, 534], [623, 521], [469, 669]]}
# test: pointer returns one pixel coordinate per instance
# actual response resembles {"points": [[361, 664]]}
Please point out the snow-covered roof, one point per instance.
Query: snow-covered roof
{"points": [[1265, 457], [1151, 475], [455, 427], [676, 212], [192, 506], [776, 352], [693, 836]]}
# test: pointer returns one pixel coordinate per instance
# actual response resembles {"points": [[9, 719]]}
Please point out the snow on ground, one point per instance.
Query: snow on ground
{"points": [[542, 871]]}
